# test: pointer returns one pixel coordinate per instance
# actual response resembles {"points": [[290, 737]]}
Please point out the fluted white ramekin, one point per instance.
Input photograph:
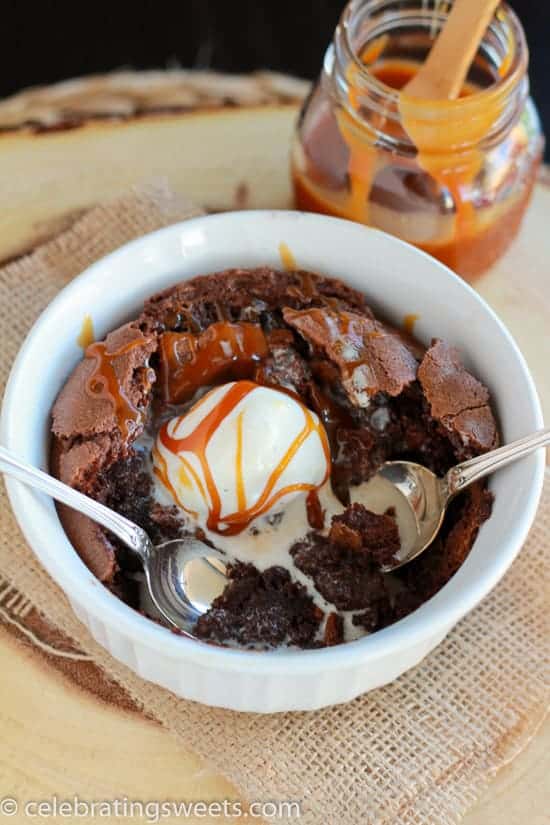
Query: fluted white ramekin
{"points": [[398, 280]]}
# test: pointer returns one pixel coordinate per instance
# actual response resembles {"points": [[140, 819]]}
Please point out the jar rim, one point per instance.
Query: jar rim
{"points": [[500, 90]]}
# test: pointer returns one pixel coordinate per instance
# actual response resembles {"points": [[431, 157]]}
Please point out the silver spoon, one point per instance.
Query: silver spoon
{"points": [[183, 576], [428, 496]]}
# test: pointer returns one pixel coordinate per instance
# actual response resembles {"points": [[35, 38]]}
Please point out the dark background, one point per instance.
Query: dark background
{"points": [[44, 41]]}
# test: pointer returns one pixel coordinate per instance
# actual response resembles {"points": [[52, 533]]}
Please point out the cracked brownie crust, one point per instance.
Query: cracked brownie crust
{"points": [[379, 394]]}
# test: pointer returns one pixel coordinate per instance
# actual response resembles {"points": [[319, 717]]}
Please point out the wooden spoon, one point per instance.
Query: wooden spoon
{"points": [[442, 75]]}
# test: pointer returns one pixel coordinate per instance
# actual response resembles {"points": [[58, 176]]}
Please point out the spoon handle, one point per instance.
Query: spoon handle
{"points": [[442, 75], [133, 536], [466, 473]]}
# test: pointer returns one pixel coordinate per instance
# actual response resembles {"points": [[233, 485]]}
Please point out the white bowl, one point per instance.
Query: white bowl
{"points": [[397, 280]]}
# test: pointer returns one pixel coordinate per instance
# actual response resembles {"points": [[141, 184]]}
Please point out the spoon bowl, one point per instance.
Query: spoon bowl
{"points": [[426, 497], [183, 577]]}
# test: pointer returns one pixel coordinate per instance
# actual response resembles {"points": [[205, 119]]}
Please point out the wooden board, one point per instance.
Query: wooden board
{"points": [[57, 736]]}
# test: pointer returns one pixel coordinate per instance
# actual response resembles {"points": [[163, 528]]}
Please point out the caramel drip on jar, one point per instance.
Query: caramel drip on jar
{"points": [[366, 161], [104, 384], [224, 350], [197, 443], [450, 151]]}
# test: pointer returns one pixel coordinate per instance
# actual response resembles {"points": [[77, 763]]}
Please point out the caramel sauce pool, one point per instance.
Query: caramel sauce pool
{"points": [[223, 351]]}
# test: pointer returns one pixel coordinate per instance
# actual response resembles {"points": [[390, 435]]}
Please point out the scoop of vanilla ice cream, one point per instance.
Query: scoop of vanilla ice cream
{"points": [[242, 451]]}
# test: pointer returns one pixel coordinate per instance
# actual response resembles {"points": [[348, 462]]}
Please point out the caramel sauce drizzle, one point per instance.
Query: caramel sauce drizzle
{"points": [[307, 289], [104, 384], [315, 512], [345, 333], [288, 260], [331, 414], [241, 496], [197, 443], [224, 350], [87, 335], [409, 321]]}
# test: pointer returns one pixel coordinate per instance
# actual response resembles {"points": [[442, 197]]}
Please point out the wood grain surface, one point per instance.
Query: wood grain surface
{"points": [[56, 735]]}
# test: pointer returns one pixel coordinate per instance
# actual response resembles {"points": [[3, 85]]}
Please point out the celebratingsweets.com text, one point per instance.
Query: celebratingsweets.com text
{"points": [[151, 811]]}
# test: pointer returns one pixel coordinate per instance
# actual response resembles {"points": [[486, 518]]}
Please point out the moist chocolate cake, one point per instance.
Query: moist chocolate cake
{"points": [[305, 554]]}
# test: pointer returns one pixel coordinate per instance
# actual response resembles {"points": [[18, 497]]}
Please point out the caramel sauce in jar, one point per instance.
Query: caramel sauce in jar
{"points": [[452, 177]]}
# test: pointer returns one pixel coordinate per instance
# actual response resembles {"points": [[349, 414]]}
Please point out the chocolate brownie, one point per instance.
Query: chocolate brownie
{"points": [[262, 608], [379, 394], [457, 401]]}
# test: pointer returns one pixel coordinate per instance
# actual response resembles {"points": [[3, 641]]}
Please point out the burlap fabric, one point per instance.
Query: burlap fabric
{"points": [[418, 751]]}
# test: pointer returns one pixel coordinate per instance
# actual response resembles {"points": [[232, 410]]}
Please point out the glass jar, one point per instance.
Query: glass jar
{"points": [[453, 177]]}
